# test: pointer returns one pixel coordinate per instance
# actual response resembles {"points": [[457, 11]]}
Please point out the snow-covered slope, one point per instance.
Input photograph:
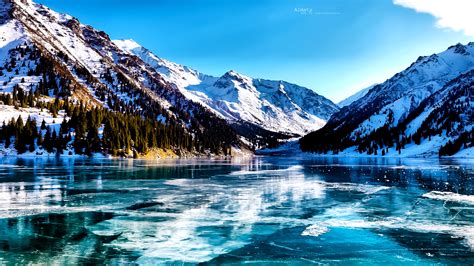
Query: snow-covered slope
{"points": [[402, 93], [446, 116], [276, 106], [177, 74], [374, 121], [356, 96], [74, 47]]}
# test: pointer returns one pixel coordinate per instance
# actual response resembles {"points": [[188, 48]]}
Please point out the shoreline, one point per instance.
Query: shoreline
{"points": [[292, 149]]}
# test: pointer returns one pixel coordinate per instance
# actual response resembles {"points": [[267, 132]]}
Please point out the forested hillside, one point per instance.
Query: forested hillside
{"points": [[56, 69]]}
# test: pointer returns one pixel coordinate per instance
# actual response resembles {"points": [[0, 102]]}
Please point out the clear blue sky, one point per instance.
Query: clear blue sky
{"points": [[334, 47]]}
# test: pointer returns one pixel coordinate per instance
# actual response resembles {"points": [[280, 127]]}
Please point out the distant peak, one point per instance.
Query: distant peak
{"points": [[459, 49], [230, 78], [455, 45], [128, 41], [127, 44], [232, 74]]}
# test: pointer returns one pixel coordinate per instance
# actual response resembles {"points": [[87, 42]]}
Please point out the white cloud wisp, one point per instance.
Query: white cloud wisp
{"points": [[452, 14]]}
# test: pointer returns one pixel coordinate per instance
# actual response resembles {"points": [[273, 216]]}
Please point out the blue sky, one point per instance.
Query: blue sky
{"points": [[334, 47]]}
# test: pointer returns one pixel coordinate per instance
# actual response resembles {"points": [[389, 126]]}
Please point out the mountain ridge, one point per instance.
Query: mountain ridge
{"points": [[359, 126], [273, 105], [354, 97]]}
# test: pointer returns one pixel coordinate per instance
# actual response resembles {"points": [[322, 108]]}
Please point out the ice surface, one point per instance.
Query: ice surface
{"points": [[450, 196], [191, 211]]}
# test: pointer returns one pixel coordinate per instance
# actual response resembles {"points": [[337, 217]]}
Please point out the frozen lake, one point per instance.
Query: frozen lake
{"points": [[261, 210]]}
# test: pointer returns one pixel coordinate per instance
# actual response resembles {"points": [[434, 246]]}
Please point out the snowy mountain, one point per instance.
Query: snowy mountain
{"points": [[276, 106], [377, 121], [50, 60], [356, 96]]}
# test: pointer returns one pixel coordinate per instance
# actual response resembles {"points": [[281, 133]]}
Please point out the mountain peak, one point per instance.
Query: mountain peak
{"points": [[232, 78], [127, 44], [460, 49], [234, 75], [232, 72]]}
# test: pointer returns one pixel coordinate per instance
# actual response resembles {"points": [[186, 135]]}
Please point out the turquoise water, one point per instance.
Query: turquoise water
{"points": [[265, 210]]}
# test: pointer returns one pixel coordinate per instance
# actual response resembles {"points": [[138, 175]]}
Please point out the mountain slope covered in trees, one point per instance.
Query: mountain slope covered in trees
{"points": [[50, 64], [424, 110]]}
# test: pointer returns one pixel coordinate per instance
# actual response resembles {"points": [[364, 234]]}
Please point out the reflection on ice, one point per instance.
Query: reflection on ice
{"points": [[225, 214], [294, 168]]}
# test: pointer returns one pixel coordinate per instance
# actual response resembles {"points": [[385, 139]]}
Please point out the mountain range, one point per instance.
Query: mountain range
{"points": [[42, 48], [94, 95], [276, 106]]}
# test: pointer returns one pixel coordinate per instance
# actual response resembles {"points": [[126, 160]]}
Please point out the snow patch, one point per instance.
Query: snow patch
{"points": [[315, 230]]}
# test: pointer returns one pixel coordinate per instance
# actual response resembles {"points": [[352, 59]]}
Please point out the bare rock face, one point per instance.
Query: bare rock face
{"points": [[104, 35], [74, 25]]}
